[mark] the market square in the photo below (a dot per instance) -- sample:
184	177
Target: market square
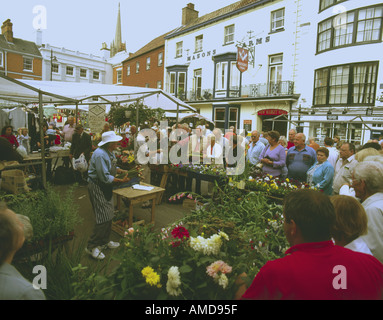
215	162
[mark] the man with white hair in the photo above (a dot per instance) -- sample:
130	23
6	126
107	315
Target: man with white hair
255	148
367	181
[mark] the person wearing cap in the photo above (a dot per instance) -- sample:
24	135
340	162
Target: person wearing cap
81	144
101	179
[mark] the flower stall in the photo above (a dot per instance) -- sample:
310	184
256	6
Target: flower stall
199	257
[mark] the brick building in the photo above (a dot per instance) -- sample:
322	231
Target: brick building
145	68
19	59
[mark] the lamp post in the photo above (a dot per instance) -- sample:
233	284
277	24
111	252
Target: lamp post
53	58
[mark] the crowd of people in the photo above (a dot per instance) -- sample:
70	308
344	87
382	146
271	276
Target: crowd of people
346	210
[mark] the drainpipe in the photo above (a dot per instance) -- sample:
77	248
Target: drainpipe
6	62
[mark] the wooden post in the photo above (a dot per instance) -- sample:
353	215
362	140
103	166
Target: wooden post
41	122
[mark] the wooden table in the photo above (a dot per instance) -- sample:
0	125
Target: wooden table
138	196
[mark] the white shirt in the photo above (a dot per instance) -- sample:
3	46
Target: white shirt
333	155
343	172
374	238
216	153
359	245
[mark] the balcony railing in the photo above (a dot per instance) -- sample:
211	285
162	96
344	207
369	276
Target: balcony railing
271	89
259	90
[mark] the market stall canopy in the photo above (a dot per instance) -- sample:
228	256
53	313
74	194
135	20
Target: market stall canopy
196	116
84	107
72	93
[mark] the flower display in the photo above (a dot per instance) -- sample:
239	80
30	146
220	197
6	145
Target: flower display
274	186
201	256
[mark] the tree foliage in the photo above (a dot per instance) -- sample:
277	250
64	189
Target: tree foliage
120	114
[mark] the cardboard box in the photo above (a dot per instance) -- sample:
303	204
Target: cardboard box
14	181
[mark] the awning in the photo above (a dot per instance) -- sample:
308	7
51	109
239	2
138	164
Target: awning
77	93
72	93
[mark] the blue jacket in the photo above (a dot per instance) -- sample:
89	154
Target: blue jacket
299	162
323	177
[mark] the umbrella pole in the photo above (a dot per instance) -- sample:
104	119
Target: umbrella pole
41	121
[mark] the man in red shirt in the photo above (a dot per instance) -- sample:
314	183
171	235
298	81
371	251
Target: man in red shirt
292	134
314	268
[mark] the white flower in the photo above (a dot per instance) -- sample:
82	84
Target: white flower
174	281
223	281
208	246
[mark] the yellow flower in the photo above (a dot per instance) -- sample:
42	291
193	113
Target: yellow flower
153	279
146	271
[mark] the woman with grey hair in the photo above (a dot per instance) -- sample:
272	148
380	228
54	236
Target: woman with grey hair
367	181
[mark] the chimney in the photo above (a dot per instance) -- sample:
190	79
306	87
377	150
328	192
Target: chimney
6	30
39	38
105	51
189	14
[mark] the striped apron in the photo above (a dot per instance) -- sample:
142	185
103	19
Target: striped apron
101	197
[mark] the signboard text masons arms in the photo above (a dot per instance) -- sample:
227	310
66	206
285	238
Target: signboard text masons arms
201	55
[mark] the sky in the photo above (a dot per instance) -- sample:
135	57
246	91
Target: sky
84	25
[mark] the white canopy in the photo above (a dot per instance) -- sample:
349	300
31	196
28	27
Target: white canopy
77	93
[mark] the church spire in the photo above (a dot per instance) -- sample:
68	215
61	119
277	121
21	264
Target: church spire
117	45
117	38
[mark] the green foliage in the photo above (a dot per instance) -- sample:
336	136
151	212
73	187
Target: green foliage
117	114
67	279
51	214
253	221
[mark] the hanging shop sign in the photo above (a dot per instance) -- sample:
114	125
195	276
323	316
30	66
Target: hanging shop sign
271	112
247	125
242	59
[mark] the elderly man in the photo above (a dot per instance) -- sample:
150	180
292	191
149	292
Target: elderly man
68	130
300	158
314	268
13	286
367	181
292	134
344	166
255	148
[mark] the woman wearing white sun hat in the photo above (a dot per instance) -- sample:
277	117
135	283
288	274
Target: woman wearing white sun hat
101	178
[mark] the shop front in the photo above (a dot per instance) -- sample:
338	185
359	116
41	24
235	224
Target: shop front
268	114
357	130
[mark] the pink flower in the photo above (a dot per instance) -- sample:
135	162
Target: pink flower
218	267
